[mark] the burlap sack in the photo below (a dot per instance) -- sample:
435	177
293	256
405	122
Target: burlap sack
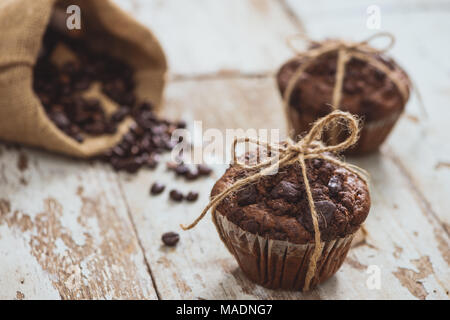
104	26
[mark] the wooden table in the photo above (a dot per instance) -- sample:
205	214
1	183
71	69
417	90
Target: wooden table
74	230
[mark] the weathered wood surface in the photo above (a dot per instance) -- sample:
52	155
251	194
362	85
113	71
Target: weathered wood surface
70	229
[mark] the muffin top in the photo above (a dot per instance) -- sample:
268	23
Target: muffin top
366	92
277	207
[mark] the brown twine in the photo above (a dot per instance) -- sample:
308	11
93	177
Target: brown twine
346	51
309	147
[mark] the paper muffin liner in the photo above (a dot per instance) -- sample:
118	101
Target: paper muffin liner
278	264
372	134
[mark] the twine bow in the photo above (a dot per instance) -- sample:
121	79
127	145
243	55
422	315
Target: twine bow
281	155
345	52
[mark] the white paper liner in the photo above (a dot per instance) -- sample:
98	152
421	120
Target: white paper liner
276	263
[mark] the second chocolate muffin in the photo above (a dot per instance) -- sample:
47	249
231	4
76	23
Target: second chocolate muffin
366	92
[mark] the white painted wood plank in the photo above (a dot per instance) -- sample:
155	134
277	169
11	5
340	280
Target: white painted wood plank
402	240
65	231
224	36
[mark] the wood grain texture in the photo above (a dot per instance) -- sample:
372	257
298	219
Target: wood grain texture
65	232
71	229
225	37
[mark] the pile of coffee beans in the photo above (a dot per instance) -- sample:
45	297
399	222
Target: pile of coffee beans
60	88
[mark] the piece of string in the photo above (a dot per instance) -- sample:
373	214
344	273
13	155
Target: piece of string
281	155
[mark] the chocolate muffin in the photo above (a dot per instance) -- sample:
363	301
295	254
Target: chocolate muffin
367	92
268	228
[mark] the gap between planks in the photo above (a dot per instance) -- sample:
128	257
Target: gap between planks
136	234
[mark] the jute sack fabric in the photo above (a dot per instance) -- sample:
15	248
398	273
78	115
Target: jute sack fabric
104	27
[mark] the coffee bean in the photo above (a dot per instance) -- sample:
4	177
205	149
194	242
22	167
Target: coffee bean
176	195
152	161
192	174
247	195
157	188
118	151
334	185
204	170
120	114
181	170
192	196
286	190
170	238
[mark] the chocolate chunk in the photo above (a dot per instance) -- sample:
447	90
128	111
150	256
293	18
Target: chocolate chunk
326	208
192	196
247	195
170	238
176	195
286	190
334	185
157	188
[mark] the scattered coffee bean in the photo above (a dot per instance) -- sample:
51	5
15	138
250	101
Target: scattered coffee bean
189	172
181	170
176	195
192	196
170	238
247	195
204	170
157	188
192	174
286	190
